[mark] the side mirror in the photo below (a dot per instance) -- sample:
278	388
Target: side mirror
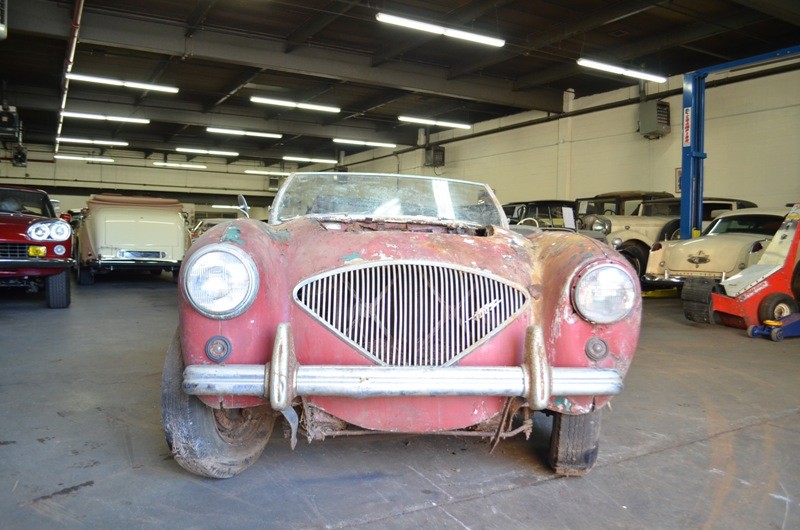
243	207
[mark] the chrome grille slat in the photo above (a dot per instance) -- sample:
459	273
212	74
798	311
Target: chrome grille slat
410	313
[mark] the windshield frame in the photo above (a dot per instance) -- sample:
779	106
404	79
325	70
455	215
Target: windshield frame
275	217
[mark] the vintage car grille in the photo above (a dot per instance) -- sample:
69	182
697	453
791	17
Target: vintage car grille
13	250
141	254
411	314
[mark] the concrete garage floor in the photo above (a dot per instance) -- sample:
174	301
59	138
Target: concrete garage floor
705	435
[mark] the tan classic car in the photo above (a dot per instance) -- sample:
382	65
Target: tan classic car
122	233
732	242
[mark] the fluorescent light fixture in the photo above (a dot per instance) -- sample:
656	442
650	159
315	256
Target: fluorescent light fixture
85	158
239	132
437	123
224	206
179	165
588	63
359	142
118	82
317	160
292	104
86	116
65	140
266	172
206	152
440	30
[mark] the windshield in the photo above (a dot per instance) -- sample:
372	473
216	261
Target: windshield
369	195
25	201
765	225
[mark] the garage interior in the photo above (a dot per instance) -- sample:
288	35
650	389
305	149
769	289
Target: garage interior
705	433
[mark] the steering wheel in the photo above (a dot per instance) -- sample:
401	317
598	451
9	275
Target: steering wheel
535	221
609	212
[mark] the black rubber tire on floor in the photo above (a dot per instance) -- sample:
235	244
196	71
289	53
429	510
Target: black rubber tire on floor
85	276
637	257
574	442
775	306
57	290
194	434
696	297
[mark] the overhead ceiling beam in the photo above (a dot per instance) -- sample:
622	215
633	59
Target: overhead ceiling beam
368	105
188	114
470	12
786	10
234	88
110	29
314	25
197	17
599	18
643	47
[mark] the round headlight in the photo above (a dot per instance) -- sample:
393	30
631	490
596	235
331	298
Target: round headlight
39	231
60	231
220	281
604	294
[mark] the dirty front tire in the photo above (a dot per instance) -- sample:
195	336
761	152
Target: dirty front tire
776	306
637	256
574	442
209	442
85	276
57	290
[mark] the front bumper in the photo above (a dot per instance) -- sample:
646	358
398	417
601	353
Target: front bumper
32	263
129	264
660	282
283	379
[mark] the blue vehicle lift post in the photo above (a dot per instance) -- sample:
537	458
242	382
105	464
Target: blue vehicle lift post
693	136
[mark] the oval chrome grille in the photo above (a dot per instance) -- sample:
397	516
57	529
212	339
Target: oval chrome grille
410	313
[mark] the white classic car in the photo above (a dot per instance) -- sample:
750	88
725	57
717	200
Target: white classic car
119	232
732	242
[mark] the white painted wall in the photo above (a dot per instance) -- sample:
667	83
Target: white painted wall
752	141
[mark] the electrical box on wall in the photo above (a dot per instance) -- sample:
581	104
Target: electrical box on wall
654	119
434	156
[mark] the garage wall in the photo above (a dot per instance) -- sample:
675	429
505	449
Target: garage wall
752	138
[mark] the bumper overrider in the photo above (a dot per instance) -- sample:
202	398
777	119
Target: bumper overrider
283	379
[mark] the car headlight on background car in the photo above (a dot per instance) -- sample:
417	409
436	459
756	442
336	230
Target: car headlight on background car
220	281
52	230
604	293
597	223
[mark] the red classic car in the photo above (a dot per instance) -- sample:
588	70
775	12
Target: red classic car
393	303
35	245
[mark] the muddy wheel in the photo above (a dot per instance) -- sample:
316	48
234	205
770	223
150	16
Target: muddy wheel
57	290
776	334
574	442
696	297
636	255
209	442
776	306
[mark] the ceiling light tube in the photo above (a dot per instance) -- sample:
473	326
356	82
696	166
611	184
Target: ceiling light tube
359	142
316	160
179	165
440	30
588	63
239	132
62	139
292	104
206	152
118	82
437	123
263	172
85	158
86	116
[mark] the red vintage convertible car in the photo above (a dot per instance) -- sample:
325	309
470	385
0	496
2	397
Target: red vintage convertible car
393	303
35	246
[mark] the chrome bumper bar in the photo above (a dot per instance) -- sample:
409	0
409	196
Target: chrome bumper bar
282	379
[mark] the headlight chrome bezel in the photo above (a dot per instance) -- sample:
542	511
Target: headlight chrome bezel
580	287
47	230
250	292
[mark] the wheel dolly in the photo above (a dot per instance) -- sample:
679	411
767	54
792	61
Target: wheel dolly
777	330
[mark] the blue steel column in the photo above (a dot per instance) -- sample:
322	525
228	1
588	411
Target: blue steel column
693	131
